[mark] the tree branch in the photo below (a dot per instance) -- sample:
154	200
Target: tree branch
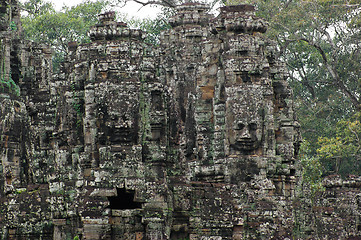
338	82
284	47
347	5
287	4
165	3
357	138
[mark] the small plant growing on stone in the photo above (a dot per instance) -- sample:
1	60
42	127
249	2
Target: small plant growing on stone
8	84
13	26
312	170
76	105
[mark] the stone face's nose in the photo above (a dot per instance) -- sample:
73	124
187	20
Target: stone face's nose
245	134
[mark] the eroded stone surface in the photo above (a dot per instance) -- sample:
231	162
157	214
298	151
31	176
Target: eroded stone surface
196	139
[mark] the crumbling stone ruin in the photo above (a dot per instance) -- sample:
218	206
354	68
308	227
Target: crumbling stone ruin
194	139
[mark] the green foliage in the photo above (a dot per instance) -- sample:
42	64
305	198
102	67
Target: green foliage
311	170
320	42
153	27
341	153
36	7
7	84
13	26
57	28
20	190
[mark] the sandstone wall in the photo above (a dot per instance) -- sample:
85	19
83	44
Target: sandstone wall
194	139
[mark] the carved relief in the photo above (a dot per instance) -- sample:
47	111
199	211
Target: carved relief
245	119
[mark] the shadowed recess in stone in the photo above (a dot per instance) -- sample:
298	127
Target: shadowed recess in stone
181	234
124	200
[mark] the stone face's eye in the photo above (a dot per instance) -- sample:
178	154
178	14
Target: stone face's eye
240	126
252	126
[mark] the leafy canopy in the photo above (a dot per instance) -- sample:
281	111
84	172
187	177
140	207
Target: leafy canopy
320	42
42	23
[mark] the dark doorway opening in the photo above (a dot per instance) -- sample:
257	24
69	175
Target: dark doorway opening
124	200
181	234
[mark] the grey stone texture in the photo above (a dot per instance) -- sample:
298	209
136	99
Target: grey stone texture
194	139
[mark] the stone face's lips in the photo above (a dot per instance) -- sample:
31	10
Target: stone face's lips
246	145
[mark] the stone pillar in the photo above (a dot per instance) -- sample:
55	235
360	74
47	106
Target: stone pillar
181	63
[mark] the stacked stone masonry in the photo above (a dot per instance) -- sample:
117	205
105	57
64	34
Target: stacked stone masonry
193	139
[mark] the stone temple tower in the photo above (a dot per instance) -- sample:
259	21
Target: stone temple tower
193	139
185	140
238	125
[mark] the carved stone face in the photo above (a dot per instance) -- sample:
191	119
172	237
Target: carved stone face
118	117
245	136
120	128
244	120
